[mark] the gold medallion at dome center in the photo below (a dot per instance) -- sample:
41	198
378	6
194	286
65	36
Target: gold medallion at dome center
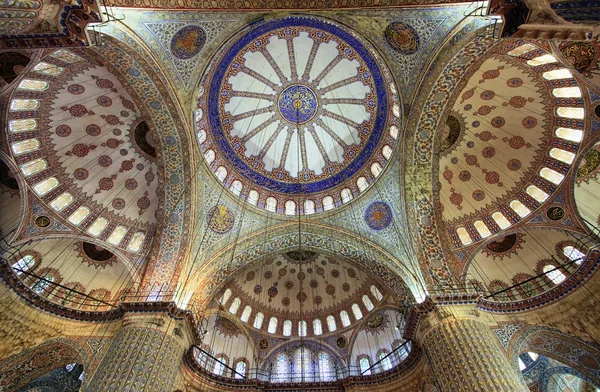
297	104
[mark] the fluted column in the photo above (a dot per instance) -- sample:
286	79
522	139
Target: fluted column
145	355
463	352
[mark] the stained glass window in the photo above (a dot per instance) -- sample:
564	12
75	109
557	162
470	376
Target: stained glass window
303	365
24	104
345	318
235	305
519	208
561	73
567	92
246	314
25	146
346	195
34	166
28	124
325	367
574	254
136	241
482	229
367	301
272	328
240	369
79	215
282	368
287	328
573	135
384	359
551	175
317	327
331	323
42	284
500	219
258	320
220	365
362	183
537	193
357	312
48	69
43	187
97	227
364	366
576	113
328	203
376	293
464	236
117	235
61	201
35	85
225	297
25	263
66	56
553	274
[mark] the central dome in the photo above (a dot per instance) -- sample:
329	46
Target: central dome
296	107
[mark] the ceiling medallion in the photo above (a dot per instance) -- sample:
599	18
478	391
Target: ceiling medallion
42	221
301	255
555	213
296	106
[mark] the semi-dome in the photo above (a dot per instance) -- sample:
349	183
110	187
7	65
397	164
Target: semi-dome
294	116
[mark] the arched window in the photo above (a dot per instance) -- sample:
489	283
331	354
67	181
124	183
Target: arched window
345	318
331	323
501	220
365	366
387	151
282	368
271	204
290	207
43	187
136	241
541	60
79	215
537	193
201	136
303	368
240	369
376	169
396	110
325	367
384	360
555	275
199	114
562	155
367	301
567	92
576	113
519	208
24	264
309	207
209	155
357	312
62	201
272	325
33	85
28	124
328	203
24	104
246	314
235	305
258	320
394	132
482	229
551	175
221	173
317	327
376	293
25	146
573	135
574	254
252	197
117	235
97	227
42	285
346	195
236	187
225	297
464	236
302	328
33	167
287	328
362	184
48	69
561	73
220	365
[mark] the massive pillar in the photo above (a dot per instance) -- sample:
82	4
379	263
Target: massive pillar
463	352
145	355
